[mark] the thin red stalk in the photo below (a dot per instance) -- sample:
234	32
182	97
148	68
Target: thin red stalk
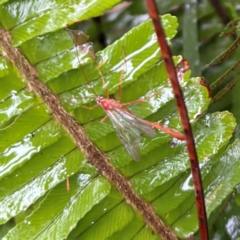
166	55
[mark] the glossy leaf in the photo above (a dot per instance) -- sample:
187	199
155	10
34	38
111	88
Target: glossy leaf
49	17
37	155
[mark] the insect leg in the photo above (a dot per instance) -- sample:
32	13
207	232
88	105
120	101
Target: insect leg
90	108
103	119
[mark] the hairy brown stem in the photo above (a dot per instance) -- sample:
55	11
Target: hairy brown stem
196	174
94	156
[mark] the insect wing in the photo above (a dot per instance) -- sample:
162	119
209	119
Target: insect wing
128	128
136	122
128	135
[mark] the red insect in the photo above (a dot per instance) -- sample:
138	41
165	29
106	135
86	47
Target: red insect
127	126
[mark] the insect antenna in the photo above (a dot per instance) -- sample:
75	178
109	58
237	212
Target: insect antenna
103	80
121	76
83	72
80	42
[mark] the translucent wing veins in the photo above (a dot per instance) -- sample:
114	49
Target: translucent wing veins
128	129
